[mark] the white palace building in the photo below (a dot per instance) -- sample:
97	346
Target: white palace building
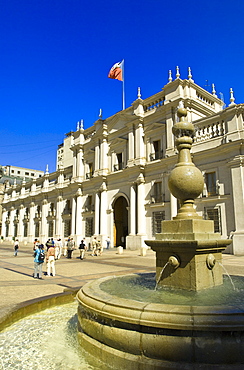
112	178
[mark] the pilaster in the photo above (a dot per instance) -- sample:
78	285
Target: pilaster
237	179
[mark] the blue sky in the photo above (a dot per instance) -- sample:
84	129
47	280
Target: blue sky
56	55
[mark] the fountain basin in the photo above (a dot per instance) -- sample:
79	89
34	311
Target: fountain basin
132	334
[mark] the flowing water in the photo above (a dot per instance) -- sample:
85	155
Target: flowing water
141	287
160	275
44	341
48	340
230	278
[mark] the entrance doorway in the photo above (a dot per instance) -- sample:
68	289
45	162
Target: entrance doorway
120	222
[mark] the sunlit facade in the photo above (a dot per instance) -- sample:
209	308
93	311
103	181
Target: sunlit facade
111	179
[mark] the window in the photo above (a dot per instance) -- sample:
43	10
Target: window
32	174
37	229
25	230
157	153
15	230
18	172
12	171
89	227
89	174
157	196
67	228
89	205
7	229
157	218
210	178
215	215
119	165
50	229
27	173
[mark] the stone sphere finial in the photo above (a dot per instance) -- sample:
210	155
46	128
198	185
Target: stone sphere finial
185	181
181	112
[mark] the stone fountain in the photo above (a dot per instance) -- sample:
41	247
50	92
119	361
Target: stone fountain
143	334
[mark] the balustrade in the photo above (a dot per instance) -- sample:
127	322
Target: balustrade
213	130
153	105
204	99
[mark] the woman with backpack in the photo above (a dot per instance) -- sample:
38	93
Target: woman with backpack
39	258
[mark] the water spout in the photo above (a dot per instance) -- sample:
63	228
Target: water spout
232	283
160	275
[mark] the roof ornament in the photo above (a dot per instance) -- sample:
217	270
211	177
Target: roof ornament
232	99
214	91
170	76
139	93
177	72
100	113
47	171
190	75
80	125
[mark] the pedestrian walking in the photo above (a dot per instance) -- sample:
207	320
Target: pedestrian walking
70	248
108	242
39	258
50	259
82	249
58	249
94	246
16	247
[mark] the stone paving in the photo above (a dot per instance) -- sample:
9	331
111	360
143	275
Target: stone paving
17	284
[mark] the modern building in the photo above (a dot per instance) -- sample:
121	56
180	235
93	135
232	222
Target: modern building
111	179
20	172
10	175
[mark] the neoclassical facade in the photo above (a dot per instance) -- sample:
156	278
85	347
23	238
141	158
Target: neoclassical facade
111	179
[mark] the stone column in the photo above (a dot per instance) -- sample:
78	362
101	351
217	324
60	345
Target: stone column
60	176
80	164
169	136
104	155
73	217
4	217
11	224
237	178
44	231
59	210
103	213
131	147
74	162
131	239
140	155
97	212
97	157
79	231
141	218
31	222
132	214
20	228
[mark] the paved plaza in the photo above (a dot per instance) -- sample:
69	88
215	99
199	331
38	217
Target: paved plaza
17	284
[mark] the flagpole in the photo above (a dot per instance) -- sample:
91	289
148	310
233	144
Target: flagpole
123	87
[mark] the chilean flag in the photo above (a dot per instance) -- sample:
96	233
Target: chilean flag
116	72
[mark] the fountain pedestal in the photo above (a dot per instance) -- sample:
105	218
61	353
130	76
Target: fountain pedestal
135	334
188	254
